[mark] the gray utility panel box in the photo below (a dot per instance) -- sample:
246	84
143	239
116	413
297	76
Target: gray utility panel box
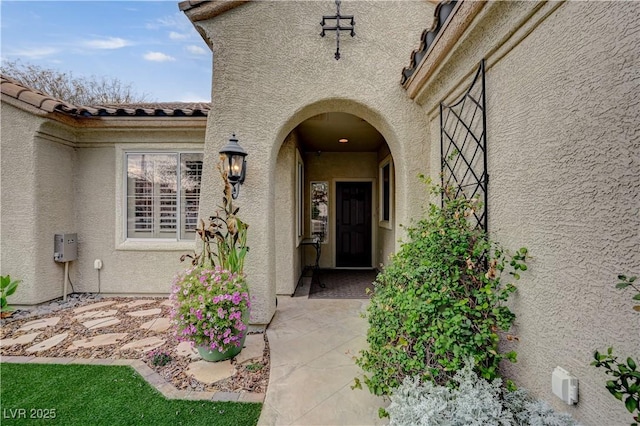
65	248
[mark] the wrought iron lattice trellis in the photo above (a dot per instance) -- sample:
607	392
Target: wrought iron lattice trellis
463	147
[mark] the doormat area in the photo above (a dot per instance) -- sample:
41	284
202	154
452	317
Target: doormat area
342	284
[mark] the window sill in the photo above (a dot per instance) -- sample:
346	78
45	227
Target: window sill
385	224
158	245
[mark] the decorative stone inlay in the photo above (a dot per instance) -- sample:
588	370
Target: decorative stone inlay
144	345
253	348
135	303
95	314
211	372
47	344
158	324
145	313
93	306
21	340
185	349
39	323
99	340
101	322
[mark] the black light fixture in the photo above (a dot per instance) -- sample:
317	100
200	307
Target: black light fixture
337	27
235	165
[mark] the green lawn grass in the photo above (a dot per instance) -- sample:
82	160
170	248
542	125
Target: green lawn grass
103	395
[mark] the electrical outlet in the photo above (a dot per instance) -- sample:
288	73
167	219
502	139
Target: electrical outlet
97	264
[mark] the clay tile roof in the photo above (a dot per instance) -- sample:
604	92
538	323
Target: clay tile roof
46	103
429	35
13	89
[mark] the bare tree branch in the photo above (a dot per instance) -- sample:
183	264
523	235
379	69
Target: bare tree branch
69	88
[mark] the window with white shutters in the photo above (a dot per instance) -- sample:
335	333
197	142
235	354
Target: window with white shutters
163	193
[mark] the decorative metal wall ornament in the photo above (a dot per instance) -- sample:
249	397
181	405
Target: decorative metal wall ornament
463	147
337	27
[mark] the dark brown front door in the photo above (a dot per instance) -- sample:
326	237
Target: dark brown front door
353	224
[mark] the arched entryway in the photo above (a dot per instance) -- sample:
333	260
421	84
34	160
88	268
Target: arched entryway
334	183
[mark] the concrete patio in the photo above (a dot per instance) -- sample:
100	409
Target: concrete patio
312	345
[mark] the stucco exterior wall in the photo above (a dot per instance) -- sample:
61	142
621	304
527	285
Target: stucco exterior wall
272	70
288	265
128	267
564	163
54	200
18	234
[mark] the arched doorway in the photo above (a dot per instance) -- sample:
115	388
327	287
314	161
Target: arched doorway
335	180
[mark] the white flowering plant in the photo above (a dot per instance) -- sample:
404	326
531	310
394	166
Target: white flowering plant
210	308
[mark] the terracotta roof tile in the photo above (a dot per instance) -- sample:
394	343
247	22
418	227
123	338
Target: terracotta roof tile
441	14
14	89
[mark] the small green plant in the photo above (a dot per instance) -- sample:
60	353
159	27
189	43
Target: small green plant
625	385
7	288
629	282
256	366
159	358
439	301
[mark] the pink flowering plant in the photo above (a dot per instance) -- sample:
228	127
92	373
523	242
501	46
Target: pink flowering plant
210	308
210	300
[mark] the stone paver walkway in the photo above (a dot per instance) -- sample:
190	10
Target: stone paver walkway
97	326
312	344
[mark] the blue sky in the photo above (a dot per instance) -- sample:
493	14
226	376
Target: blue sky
150	44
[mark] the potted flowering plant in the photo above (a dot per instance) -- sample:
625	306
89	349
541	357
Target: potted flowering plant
211	299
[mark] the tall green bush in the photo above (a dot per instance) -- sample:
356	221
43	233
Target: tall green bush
438	302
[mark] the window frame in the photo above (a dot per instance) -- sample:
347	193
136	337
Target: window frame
311	206
123	242
388	222
300	185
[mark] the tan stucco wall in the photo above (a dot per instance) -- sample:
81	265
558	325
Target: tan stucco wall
54	200
288	264
564	164
19	235
272	70
61	175
128	267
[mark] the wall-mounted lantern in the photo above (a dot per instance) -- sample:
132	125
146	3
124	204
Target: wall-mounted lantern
235	165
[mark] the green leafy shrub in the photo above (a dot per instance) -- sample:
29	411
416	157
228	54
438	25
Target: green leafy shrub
159	358
625	383
7	288
439	301
473	401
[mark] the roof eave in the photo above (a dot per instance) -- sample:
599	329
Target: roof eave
199	10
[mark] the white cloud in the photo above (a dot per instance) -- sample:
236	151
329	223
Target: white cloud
196	50
34	53
158	57
109	43
178	36
177	21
